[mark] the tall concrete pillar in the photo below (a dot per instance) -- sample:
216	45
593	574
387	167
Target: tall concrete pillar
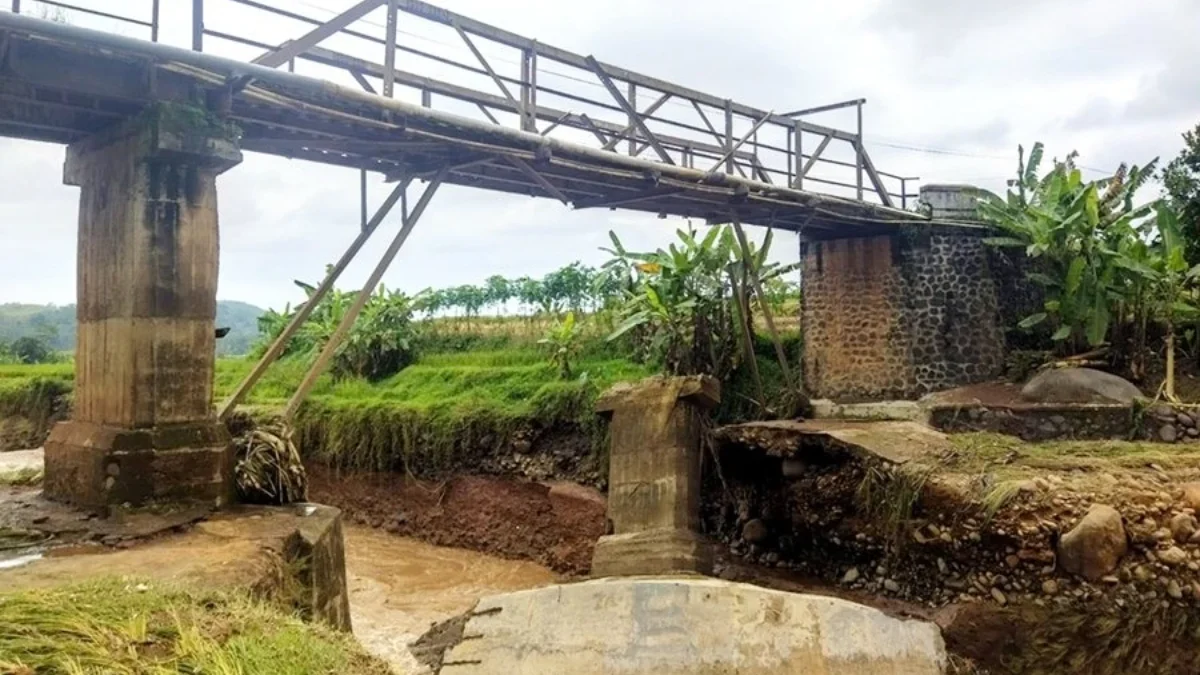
142	426
654	477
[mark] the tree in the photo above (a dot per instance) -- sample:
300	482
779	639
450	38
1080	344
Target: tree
1181	179
31	350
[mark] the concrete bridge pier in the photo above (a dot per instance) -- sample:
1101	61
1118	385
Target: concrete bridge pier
903	314
654	477
142	426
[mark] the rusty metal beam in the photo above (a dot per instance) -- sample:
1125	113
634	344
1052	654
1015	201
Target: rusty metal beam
293	48
484	62
339	335
645	113
620	99
303	312
539	179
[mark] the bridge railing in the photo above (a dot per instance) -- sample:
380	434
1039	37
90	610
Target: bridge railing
477	69
458	64
47	7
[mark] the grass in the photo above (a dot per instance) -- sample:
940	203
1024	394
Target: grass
26	476
979	451
123	627
468	392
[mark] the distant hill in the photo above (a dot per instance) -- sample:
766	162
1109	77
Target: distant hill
57	324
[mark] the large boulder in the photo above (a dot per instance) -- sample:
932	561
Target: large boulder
1079	385
1095	546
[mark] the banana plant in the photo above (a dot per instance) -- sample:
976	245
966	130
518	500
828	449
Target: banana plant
562	344
1172	282
1078	238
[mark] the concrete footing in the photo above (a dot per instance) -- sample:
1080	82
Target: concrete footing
292	554
685	626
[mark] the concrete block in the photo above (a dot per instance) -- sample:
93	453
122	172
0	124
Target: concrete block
687	626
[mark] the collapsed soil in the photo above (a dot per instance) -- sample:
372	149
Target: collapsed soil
553	524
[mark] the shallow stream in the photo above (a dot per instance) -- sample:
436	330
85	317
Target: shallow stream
399	586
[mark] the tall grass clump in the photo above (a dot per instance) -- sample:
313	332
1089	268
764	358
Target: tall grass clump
125	627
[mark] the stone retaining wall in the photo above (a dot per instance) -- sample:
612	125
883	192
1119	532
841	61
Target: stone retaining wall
899	315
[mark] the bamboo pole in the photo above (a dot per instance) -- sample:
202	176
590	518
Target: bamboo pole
302	314
335	341
746	335
762	301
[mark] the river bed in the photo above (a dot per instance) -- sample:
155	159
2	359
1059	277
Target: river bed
399	586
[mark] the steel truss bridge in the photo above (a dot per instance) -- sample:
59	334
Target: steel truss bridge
630	147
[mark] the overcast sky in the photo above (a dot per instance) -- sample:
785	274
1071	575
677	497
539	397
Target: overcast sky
952	88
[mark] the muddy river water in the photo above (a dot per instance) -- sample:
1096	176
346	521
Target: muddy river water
399	586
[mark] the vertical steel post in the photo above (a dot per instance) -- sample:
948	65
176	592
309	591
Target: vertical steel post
154	21
362	197
426	98
632	91
729	135
389	55
799	156
904	193
858	151
527	85
16	6
790	144
531	109
197	25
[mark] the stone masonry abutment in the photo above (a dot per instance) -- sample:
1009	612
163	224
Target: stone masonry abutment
902	314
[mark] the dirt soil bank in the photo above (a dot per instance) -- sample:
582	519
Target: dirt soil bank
553	524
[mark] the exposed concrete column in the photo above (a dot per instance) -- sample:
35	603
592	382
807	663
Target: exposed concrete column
142	425
654	477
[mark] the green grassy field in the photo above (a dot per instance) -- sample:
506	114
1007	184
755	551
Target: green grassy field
473	386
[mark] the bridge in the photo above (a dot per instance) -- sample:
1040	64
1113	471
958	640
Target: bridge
709	158
148	126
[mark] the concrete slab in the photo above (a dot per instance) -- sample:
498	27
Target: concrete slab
894	442
673	626
911	411
294	553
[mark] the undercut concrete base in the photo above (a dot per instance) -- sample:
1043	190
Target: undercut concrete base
95	466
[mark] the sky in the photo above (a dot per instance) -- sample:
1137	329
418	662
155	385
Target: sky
952	88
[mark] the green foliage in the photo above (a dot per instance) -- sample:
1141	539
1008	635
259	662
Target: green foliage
1086	240
381	342
680	307
562	344
1181	179
30	349
127	627
34	393
444	411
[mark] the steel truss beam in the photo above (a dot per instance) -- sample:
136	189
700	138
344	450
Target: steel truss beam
339	335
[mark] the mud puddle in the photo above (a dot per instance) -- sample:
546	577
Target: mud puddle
399	586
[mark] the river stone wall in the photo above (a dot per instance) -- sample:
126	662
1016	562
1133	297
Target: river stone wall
900	315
